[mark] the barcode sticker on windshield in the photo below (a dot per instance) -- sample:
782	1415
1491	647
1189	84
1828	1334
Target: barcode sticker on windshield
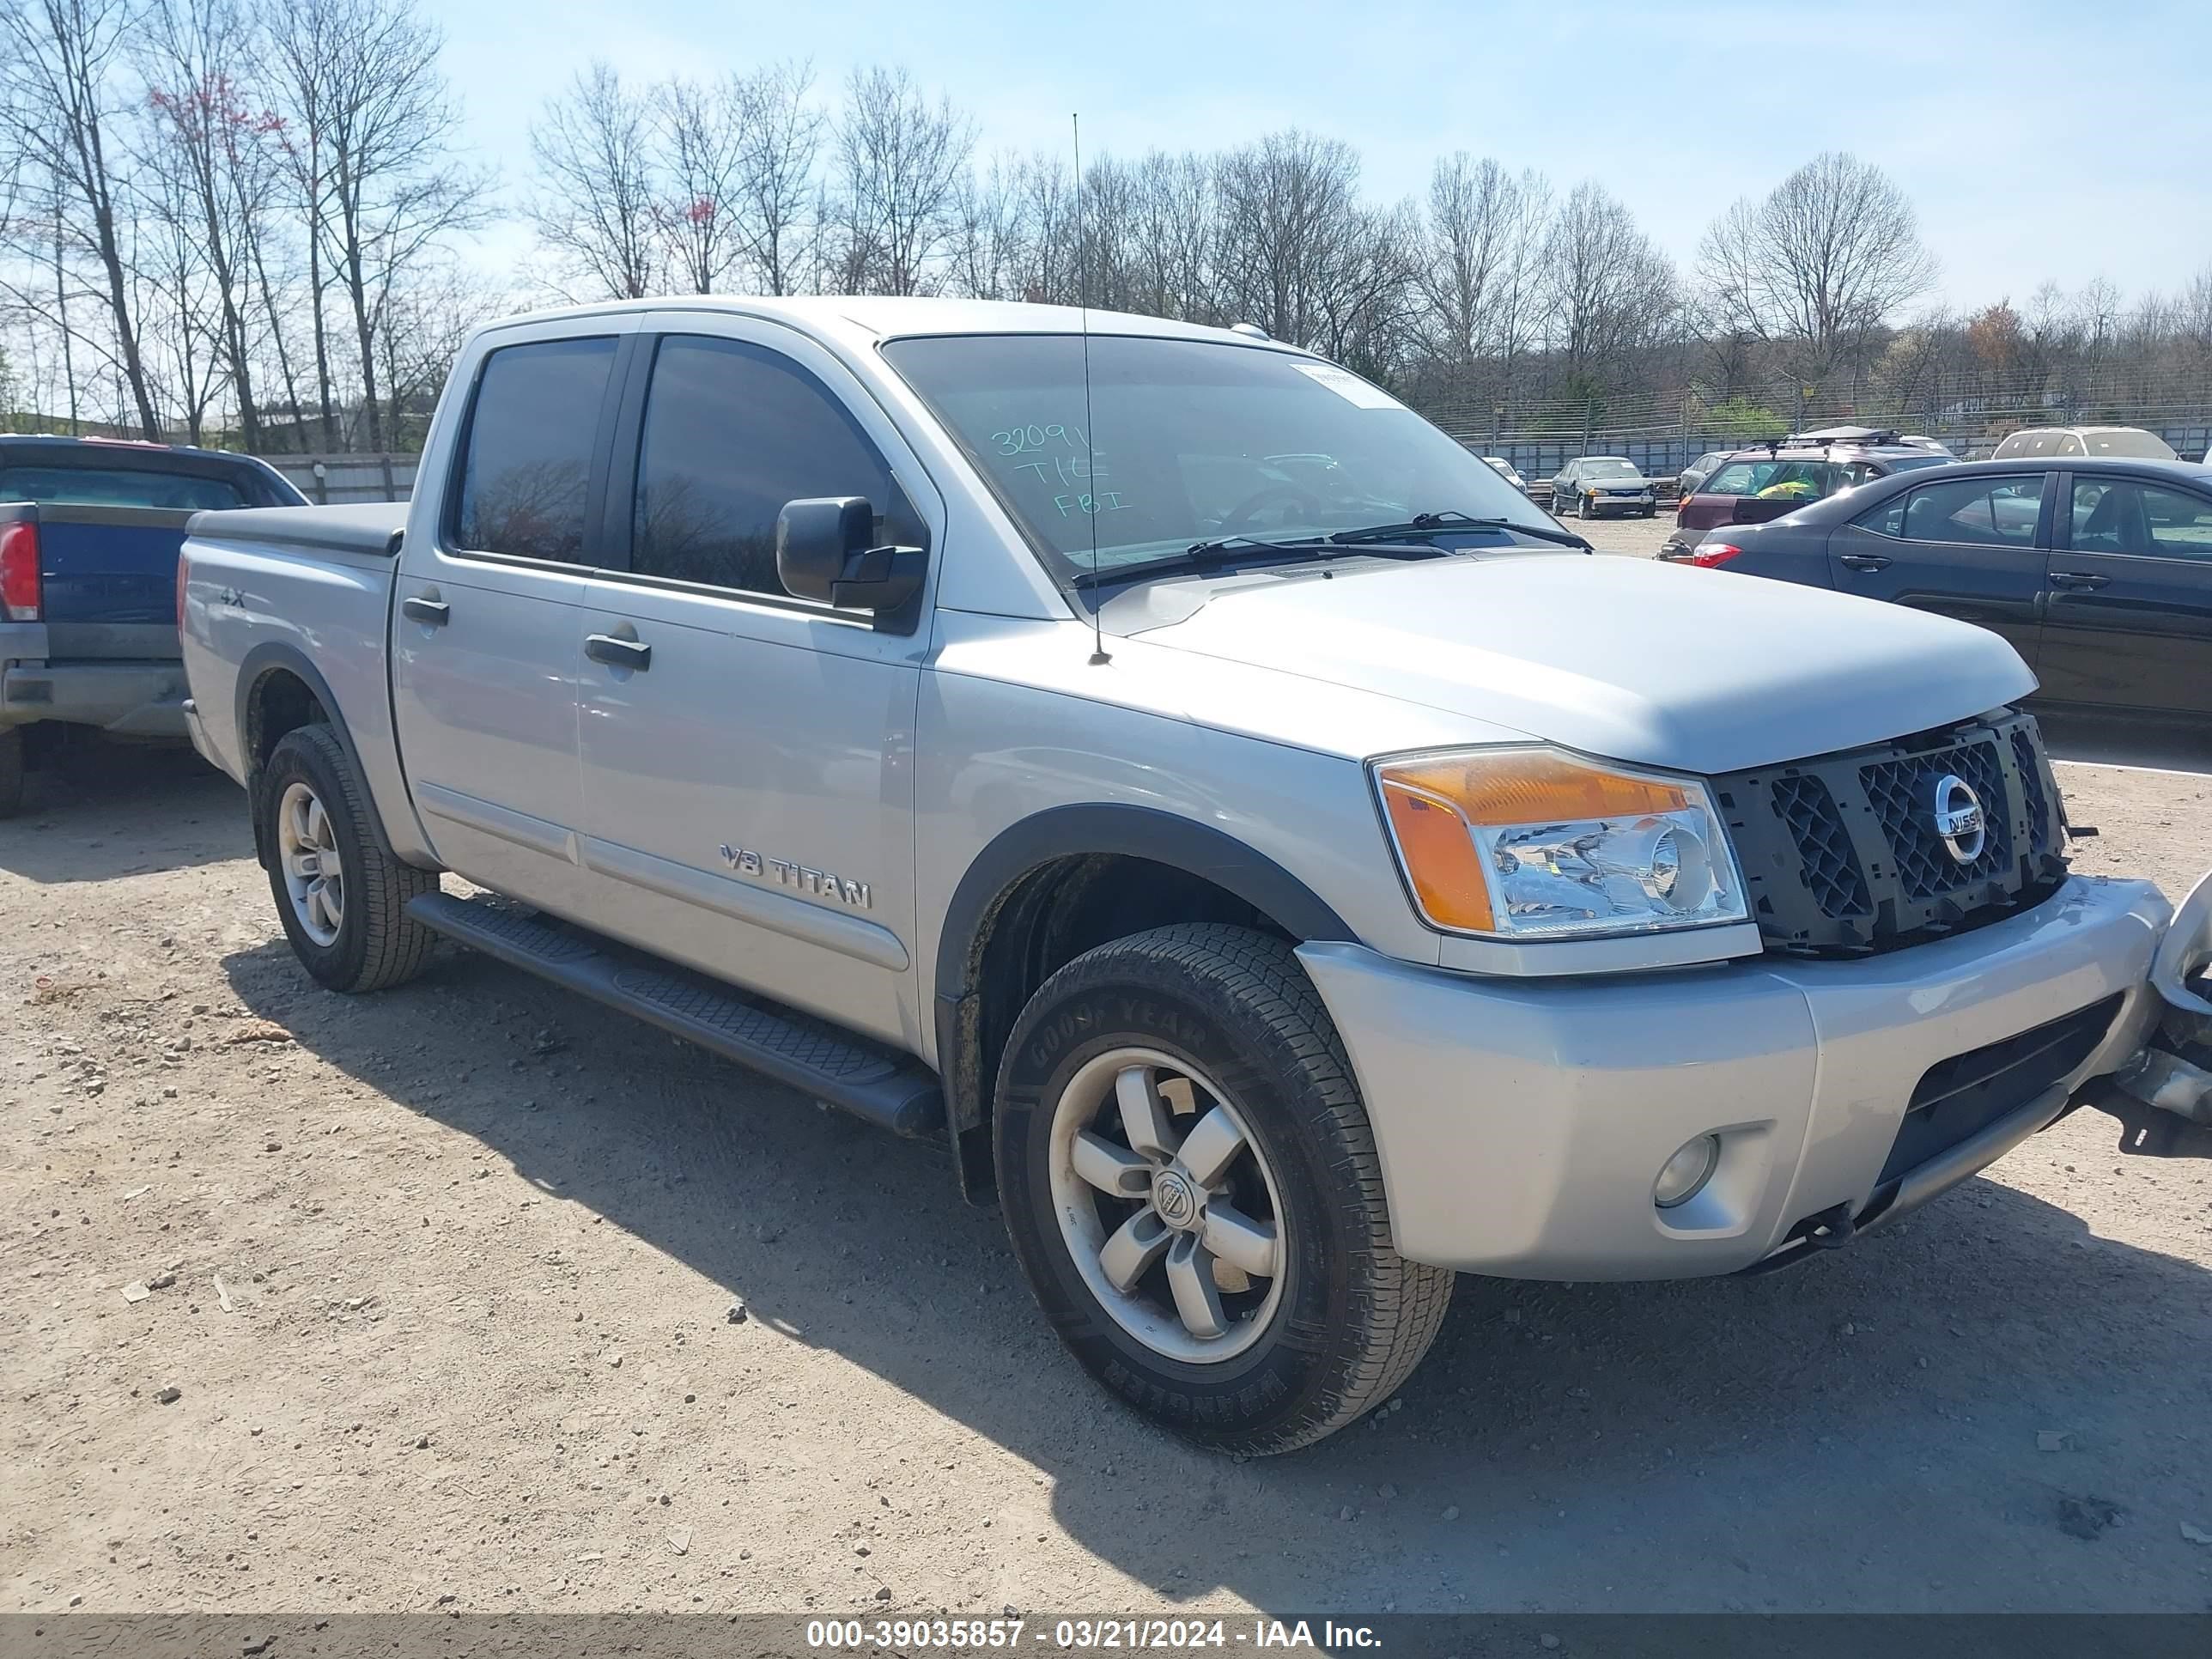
1350	387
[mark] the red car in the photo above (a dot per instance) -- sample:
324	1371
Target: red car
1756	484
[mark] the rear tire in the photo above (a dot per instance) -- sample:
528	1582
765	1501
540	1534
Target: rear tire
11	771
1181	1097
341	896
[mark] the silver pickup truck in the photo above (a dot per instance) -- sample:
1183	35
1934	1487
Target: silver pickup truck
1277	862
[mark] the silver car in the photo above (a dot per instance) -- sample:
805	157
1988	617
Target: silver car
1265	854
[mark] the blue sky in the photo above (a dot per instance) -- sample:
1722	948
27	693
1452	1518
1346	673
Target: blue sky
2037	140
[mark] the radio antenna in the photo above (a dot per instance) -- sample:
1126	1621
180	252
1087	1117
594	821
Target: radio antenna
1090	496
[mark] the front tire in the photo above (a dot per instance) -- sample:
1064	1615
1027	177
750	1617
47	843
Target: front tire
341	896
1192	1188
1583	509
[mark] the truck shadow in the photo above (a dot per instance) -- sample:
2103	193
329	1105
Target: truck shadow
116	809
1863	1432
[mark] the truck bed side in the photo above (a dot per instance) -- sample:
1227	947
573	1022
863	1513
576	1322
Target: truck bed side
303	591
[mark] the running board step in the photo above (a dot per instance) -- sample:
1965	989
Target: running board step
891	1090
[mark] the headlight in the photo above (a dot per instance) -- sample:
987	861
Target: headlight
1535	844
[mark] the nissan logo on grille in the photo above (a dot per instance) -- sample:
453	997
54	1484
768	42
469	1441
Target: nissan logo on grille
1960	821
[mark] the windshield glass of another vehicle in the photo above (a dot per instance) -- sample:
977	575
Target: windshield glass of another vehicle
100	486
1187	441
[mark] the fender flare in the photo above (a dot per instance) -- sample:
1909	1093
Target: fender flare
1074	831
1144	832
257	665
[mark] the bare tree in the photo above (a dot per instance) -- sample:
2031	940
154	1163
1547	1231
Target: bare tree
598	205
775	181
58	99
899	164
1052	242
2096	314
206	140
425	322
305	43
1171	233
2195	313
989	246
1286	206
1819	264
1485	237
1610	289
702	142
383	147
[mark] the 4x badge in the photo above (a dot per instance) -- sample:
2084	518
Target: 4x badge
819	883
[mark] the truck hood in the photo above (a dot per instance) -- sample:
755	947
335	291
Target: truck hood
1661	664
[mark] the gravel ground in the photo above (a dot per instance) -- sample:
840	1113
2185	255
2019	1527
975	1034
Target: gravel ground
282	1269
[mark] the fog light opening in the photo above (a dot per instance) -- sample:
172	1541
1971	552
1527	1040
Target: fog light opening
1684	1175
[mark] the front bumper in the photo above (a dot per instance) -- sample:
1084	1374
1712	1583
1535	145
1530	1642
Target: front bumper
1521	1122
134	698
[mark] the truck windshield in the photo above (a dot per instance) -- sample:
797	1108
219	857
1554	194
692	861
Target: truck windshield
101	486
1189	441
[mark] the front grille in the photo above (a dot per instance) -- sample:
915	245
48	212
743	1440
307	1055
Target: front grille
1841	856
1964	1095
1831	868
1900	791
2030	765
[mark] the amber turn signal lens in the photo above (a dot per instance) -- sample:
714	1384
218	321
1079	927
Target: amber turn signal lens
1532	785
1440	858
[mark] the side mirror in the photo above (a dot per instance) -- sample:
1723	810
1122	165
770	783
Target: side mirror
823	553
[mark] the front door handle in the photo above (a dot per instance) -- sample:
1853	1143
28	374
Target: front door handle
1864	561
434	613
618	653
2077	579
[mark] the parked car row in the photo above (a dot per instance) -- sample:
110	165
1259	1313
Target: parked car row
1766	481
2098	570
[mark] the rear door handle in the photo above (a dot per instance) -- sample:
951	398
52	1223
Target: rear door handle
619	653
1864	561
435	613
2077	579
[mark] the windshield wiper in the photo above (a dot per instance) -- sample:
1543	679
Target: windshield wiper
1437	524
1201	556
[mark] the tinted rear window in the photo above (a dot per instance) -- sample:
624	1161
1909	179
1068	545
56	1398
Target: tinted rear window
2127	440
529	459
104	486
1803	481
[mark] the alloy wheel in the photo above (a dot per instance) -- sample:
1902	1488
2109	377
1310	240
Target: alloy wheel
315	878
1167	1206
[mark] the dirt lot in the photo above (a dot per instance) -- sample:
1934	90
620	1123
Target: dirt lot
441	1280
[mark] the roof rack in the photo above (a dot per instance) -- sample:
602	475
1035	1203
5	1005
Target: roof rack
1824	436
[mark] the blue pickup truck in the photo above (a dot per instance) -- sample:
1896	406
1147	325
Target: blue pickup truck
90	529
